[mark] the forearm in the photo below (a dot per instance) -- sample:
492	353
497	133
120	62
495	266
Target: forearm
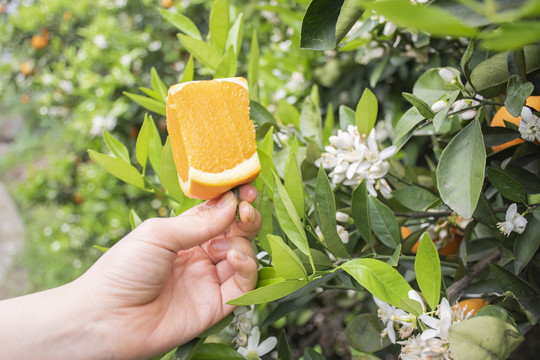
53	324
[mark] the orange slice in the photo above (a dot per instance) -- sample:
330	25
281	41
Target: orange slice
212	136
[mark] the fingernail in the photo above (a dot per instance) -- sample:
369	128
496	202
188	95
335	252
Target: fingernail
220	245
226	199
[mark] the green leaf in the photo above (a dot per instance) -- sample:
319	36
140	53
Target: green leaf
325	212
411	306
507	186
293	183
286	263
430	87
414	197
288	217
182	23
428	271
528	242
234	38
310	354
216	351
189	71
260	115
420	105
203	52
431	19
286	307
141	147
366	112
328	124
405	125
460	172
364	333
383	223
153	94
253	67
516	95
155	148
266	176
267	227
319	25
439	118
168	175
269	293
118	149
379	278
118	168
283	348
491	76
510	35
311	121
483	337
227	66
150	104
158	85
288	114
348	16
347	117
219	25
169	355
134	219
466	59
188	350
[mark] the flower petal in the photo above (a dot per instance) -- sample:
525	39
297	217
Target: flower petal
267	345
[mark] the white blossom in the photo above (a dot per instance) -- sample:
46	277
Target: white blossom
447	75
529	126
343	234
389	28
100	41
438	327
514	221
412	348
242	322
342	217
388	315
353	157
254	350
439	105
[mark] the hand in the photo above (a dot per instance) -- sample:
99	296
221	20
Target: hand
170	279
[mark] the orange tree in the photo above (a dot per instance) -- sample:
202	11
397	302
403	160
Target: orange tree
370	115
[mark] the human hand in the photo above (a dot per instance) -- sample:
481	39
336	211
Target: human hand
170	279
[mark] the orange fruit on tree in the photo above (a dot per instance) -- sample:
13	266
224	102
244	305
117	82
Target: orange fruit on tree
166	3
39	42
27	68
212	136
503	115
472	305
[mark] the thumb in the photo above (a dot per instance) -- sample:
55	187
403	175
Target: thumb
191	228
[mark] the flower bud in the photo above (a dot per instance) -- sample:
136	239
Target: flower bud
439	105
447	75
468	115
341	217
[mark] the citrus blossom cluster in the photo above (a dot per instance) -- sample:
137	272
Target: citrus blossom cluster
430	343
353	157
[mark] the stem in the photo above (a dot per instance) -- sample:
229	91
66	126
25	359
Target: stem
410	183
423	214
457	288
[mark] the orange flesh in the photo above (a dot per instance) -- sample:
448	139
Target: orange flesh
210	130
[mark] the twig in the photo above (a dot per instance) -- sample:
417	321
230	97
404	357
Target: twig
457	287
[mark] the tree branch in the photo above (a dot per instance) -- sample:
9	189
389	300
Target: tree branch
456	288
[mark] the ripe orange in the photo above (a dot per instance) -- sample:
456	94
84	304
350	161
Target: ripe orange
503	115
39	41
473	305
212	136
27	68
405	232
166	3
